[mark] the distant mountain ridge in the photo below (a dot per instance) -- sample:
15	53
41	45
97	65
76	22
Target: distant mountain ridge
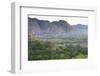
36	26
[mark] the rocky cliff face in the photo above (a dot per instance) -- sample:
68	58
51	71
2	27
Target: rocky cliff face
43	26
38	27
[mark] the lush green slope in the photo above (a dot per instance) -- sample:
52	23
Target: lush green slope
46	50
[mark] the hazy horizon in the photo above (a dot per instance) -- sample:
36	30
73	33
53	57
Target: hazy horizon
70	20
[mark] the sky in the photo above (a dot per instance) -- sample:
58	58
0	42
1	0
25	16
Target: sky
71	20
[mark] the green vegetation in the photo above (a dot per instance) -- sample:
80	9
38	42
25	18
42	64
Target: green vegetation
46	50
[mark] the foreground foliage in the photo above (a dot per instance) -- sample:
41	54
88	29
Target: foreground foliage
46	50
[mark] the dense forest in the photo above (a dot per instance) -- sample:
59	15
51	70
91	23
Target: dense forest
46	50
